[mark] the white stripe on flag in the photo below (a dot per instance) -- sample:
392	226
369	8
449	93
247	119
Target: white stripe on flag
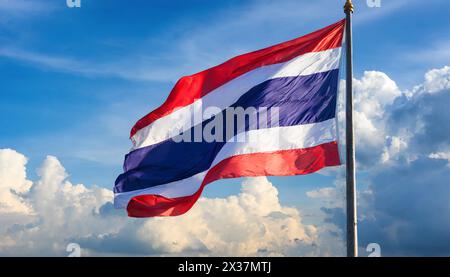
261	140
224	96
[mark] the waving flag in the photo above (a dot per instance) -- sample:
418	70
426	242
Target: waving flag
165	173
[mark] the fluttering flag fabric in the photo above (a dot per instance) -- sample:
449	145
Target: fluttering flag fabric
293	84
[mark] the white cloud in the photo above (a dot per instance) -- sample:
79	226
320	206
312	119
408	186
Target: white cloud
444	155
52	212
393	147
251	223
13	182
403	145
15	7
374	93
56	209
331	197
437	79
403	153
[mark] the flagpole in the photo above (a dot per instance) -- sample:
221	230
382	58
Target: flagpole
352	234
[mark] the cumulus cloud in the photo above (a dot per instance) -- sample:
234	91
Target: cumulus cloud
251	223
403	141
410	209
13	182
331	197
410	192
374	93
42	217
437	80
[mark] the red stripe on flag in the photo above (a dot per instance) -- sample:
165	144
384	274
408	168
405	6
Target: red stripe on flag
281	163
190	88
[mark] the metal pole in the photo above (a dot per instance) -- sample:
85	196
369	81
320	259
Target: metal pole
352	232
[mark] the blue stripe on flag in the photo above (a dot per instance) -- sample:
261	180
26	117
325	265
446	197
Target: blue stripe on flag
300	100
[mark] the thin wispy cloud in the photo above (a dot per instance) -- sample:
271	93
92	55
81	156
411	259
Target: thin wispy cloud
253	25
435	52
24	9
133	68
22	6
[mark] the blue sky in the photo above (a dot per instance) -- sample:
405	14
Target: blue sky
74	81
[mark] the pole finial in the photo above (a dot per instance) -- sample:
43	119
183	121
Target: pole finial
348	7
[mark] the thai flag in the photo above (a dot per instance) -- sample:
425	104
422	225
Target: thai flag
293	84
